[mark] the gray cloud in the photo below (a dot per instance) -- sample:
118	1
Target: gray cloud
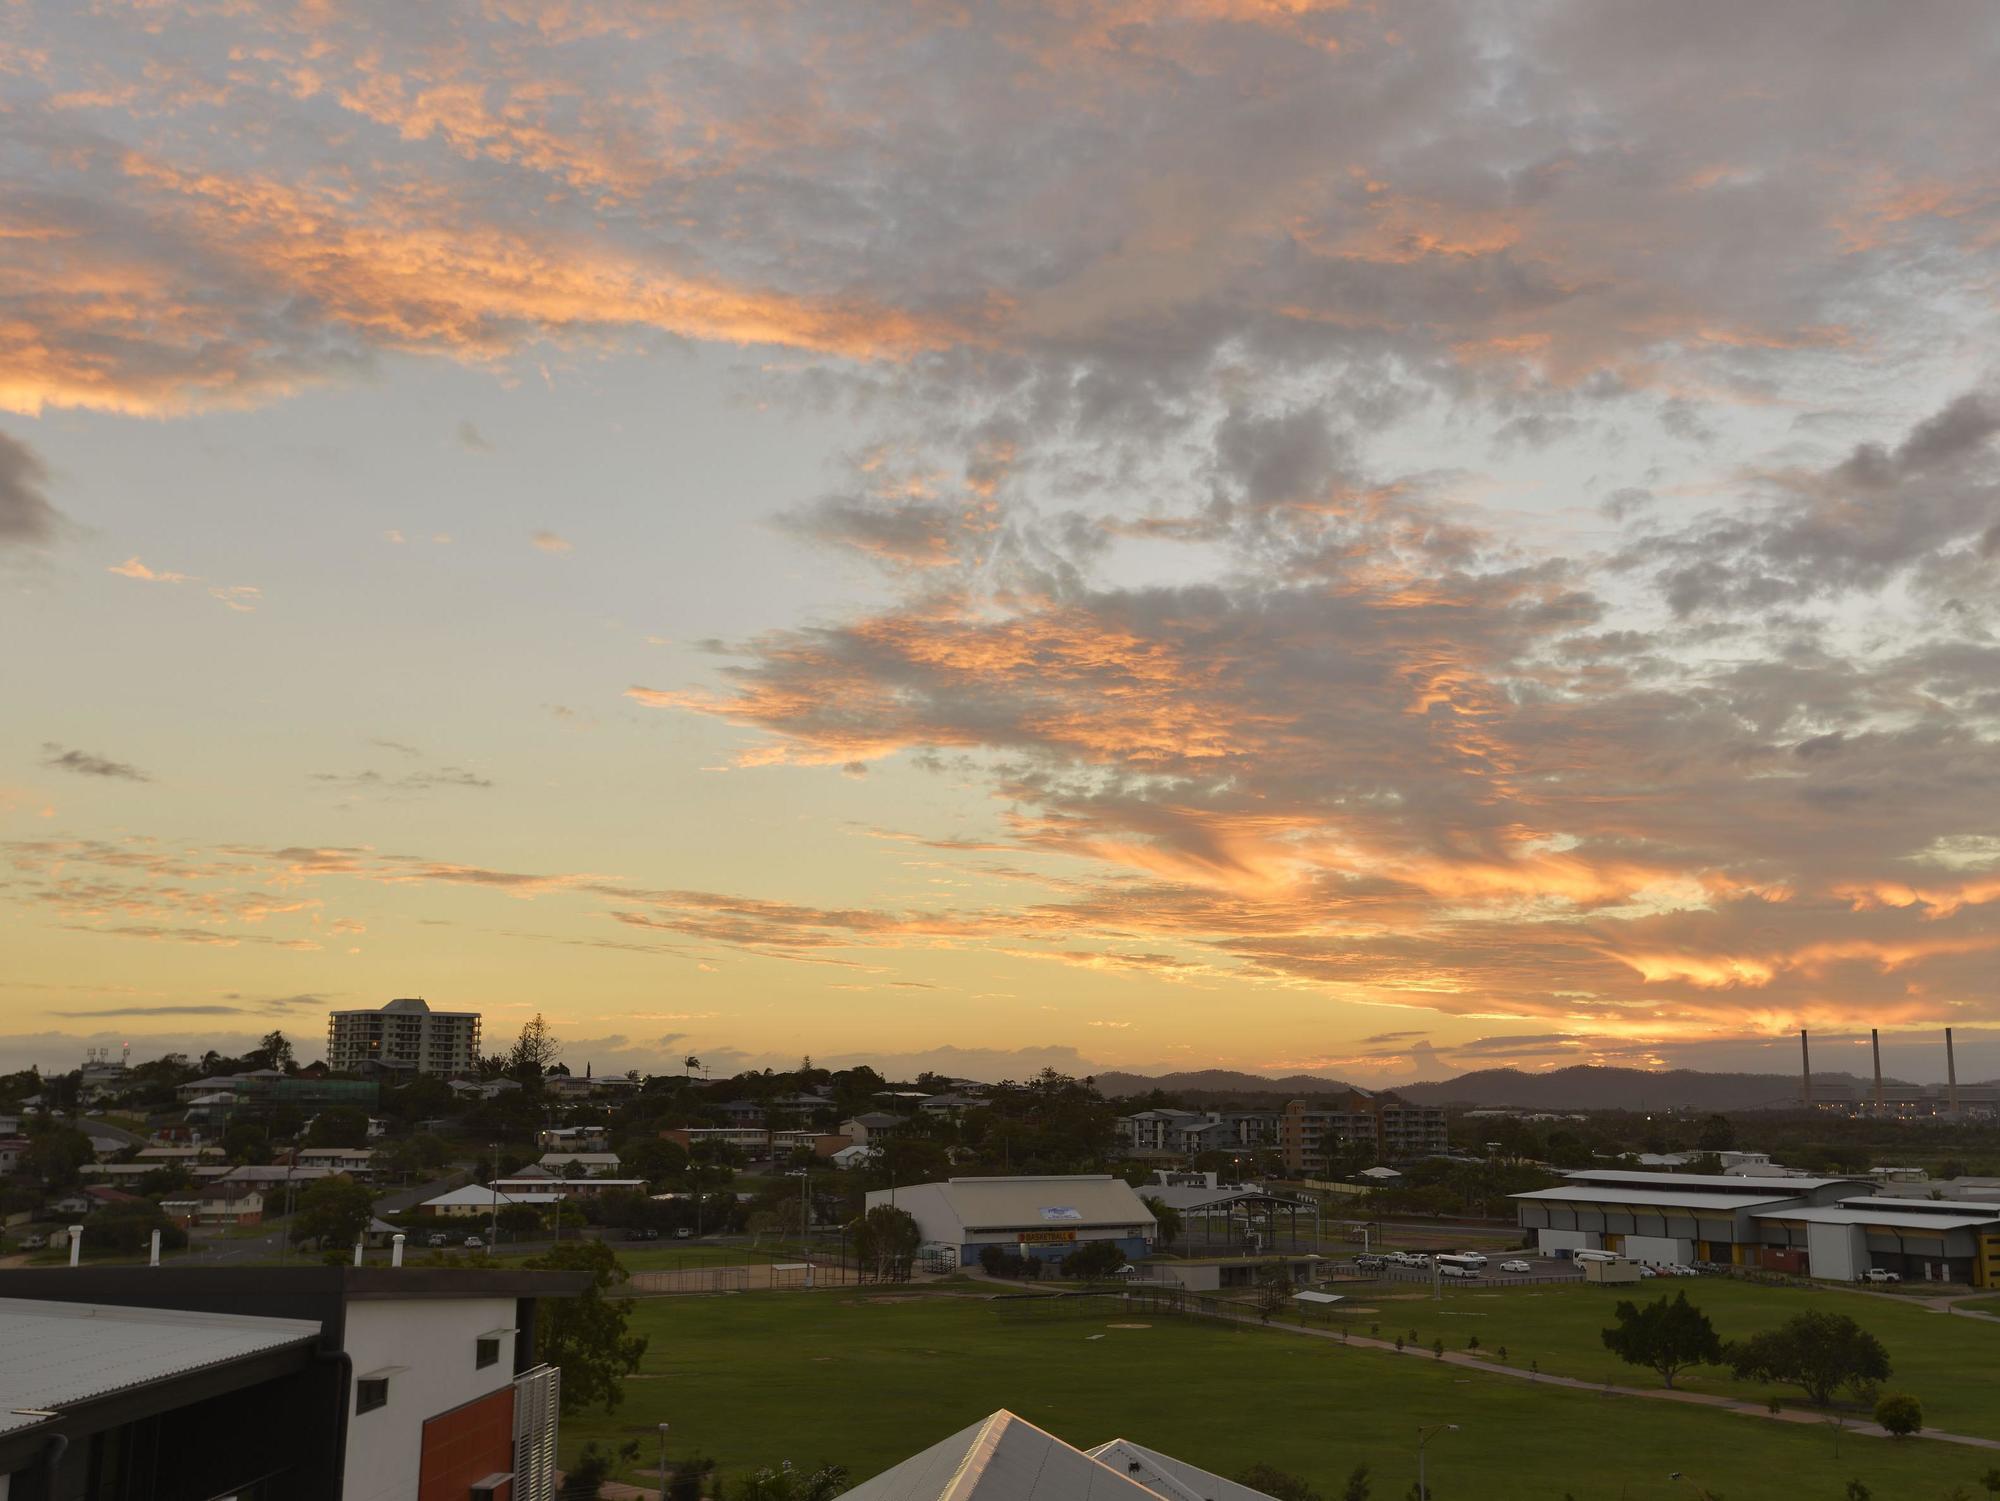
25	512
83	763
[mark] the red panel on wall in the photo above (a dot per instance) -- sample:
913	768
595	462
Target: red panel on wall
467	1444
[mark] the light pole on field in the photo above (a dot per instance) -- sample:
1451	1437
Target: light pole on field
663	1462
493	1225
1424	1436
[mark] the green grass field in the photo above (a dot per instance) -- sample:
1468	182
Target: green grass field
866	1380
1982	1305
1951	1365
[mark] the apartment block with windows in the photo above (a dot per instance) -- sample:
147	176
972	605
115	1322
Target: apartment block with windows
1385	1126
405	1036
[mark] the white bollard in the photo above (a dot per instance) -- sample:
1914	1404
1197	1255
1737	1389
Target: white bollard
75	1244
396	1250
357	1253
155	1254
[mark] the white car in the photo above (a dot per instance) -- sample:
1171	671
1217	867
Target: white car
1515	1266
1457	1271
1677	1270
1881	1274
1646	1271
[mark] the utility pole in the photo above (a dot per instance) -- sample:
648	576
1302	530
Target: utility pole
493	1227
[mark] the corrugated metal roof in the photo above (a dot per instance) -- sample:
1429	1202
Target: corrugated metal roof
1698	1180
1910	1219
62	1353
1000	1458
1175	1479
1071	1201
1657	1198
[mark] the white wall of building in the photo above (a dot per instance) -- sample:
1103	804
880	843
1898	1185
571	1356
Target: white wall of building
1837	1251
435	1339
1659	1250
1549	1242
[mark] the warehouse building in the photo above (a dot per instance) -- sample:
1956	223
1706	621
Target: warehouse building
1670	1217
1043	1217
1920	1240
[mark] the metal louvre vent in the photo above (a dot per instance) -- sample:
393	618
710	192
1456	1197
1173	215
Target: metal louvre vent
537	1405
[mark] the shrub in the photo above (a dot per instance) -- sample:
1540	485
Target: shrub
1900	1413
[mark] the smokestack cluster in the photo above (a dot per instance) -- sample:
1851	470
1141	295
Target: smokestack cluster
1875	1041
1950	1074
1805	1059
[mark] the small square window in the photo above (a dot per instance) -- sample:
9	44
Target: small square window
487	1352
371	1394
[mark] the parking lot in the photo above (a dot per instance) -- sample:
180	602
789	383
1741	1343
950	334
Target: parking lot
1541	1269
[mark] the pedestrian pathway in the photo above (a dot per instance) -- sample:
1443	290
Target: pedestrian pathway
1607	1389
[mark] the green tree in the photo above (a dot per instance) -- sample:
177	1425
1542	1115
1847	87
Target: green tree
1092	1260
273	1051
245	1140
584	1479
338	1126
1357	1488
55	1157
789	1483
333	1212
1900	1413
1717	1134
1165	1216
687	1478
519	1219
124	1227
534	1053
885	1242
1818	1352
1669	1335
588	1335
1282	1484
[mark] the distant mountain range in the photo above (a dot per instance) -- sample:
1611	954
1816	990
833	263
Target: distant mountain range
1580	1088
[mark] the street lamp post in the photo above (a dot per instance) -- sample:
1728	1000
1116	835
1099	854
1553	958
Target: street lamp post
1424	1436
493	1224
663	1462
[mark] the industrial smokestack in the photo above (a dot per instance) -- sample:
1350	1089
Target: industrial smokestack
1875	1041
1950	1074
1805	1059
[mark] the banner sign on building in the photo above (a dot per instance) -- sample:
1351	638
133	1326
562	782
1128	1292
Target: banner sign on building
1047	1237
1059	1213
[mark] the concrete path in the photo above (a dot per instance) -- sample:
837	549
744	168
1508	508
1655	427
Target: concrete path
1606	1389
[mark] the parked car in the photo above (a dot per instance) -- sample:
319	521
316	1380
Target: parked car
1457	1271
438	1238
1475	1258
474	1243
1678	1270
1515	1266
1881	1274
649	1234
1368	1263
1646	1271
1419	1258
683	1233
33	1242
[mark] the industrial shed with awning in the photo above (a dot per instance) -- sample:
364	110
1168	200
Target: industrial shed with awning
1920	1240
1043	1217
1668	1217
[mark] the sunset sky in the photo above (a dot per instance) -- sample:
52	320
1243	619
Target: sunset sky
1159	534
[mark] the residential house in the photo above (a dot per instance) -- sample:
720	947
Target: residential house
593	1164
870	1126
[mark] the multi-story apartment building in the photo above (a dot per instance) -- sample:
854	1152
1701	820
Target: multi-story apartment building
406	1036
1182	1133
1385	1125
